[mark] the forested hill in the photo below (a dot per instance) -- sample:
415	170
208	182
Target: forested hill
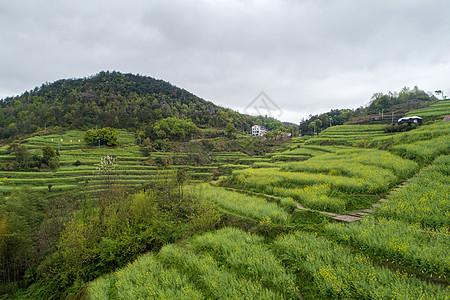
109	99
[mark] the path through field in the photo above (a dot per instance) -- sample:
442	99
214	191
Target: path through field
352	216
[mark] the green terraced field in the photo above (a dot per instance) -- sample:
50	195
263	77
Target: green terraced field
436	111
131	170
348	134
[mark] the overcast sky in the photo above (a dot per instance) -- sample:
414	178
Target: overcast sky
307	56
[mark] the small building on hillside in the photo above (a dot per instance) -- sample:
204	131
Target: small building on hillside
258	130
410	120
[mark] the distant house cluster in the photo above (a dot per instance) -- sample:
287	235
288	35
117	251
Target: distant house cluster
258	130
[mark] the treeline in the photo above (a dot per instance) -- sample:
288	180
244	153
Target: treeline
317	123
23	160
110	99
406	99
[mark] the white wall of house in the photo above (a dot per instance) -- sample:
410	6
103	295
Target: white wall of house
258	130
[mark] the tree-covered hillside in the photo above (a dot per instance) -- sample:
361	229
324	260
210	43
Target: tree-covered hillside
381	108
109	99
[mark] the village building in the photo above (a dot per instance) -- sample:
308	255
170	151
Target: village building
258	130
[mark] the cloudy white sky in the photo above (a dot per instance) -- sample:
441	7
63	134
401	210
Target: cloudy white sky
308	56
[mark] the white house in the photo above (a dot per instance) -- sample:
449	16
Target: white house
258	130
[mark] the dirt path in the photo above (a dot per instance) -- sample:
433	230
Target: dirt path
353	216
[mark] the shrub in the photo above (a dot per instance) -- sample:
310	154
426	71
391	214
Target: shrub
106	136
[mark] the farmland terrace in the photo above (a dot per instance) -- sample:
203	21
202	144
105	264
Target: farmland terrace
270	226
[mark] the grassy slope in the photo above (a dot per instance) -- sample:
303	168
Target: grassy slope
132	168
389	254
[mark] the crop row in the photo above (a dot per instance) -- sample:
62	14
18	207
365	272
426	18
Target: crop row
73	139
227	264
421	133
337	273
424	151
426	200
372	165
246	205
436	110
411	227
408	244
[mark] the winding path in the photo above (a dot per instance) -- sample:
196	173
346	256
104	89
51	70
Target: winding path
353	216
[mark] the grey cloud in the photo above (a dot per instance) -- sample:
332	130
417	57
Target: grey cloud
309	56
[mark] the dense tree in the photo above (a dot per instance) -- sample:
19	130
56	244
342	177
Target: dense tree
172	128
20	215
410	98
104	136
110	99
230	129
99	238
47	153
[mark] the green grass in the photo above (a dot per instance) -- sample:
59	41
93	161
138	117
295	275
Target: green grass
409	232
145	278
427	251
246	205
347	134
437	110
426	200
337	273
424	151
328	181
226	264
132	167
215	280
73	139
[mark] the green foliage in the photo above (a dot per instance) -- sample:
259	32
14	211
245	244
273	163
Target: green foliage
106	136
145	278
230	129
424	151
437	110
425	200
268	123
339	274
20	214
228	263
327	181
246	205
24	160
400	127
322	121
110	99
47	154
348	134
398	241
247	256
217	282
99	238
406	97
173	128
53	163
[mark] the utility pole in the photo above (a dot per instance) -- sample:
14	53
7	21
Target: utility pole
382	111
99	143
330	122
392	117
